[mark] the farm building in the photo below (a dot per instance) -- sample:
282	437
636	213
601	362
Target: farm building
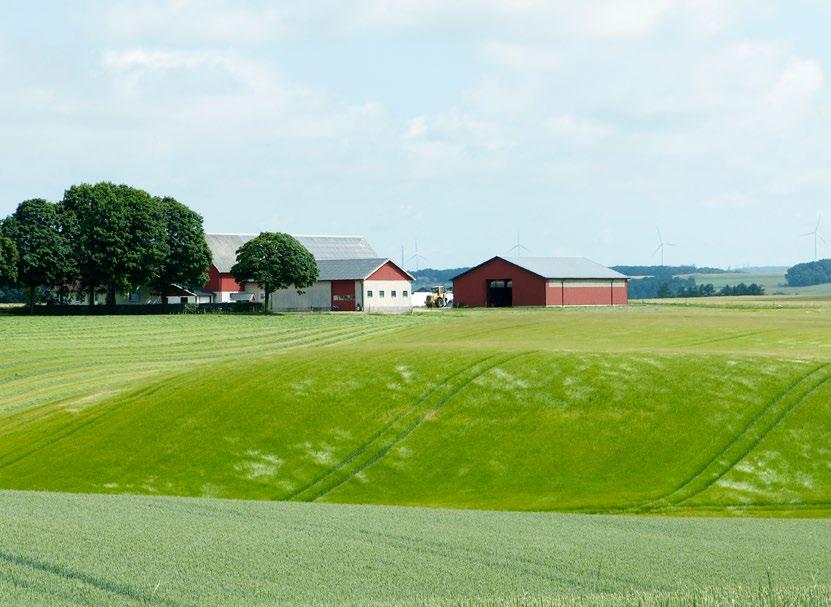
540	281
352	277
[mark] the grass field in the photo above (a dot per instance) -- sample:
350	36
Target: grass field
646	409
109	550
634	409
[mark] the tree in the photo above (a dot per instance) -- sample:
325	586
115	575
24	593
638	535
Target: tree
8	258
188	256
275	261
120	237
44	254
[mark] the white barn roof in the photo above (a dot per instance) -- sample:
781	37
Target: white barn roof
224	248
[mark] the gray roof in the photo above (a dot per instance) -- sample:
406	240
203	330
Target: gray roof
349	269
559	267
564	267
224	248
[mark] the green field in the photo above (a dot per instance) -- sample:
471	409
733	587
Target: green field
646	409
109	550
638	409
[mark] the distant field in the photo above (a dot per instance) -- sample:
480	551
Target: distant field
106	550
774	284
638	409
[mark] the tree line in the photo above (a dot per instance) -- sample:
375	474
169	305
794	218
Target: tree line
810	273
112	239
102	238
658	287
709	290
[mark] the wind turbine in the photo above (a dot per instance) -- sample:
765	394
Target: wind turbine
417	257
662	245
816	236
518	248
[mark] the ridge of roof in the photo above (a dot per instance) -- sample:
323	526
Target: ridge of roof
556	267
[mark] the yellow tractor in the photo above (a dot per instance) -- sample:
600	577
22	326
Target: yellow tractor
438	297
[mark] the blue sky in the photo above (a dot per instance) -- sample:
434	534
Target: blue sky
582	125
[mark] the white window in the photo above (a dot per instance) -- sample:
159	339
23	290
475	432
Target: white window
369	293
380	294
393	294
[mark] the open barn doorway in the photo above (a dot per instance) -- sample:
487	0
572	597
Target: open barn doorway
500	293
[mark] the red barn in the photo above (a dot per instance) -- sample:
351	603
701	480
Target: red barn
540	281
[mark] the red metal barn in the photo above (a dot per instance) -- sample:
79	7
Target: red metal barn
540	281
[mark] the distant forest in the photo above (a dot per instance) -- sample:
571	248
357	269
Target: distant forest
666	270
665	281
810	273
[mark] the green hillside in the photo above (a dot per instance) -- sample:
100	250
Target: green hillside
773	282
103	550
639	409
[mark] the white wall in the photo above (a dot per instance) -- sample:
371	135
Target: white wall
145	297
316	297
376	303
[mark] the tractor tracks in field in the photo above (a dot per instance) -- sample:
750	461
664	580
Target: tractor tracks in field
78	578
398	429
742	443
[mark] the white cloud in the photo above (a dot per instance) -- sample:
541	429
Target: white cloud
523	57
759	84
797	84
615	18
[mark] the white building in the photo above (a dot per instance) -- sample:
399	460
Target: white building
352	277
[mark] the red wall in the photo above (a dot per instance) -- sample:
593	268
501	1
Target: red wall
586	296
220	282
471	289
621	294
343	287
389	271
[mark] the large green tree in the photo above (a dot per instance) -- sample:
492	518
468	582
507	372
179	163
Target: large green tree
188	256
120	236
275	261
44	253
8	258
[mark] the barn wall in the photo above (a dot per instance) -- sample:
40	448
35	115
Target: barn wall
586	292
471	289
389	271
343	295
316	297
376	303
221	282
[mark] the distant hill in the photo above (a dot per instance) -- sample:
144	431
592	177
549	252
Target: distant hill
666	270
429	277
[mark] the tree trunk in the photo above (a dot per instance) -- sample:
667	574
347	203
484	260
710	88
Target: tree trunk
111	297
267	295
92	296
31	299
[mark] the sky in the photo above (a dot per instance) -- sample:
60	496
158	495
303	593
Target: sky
579	126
